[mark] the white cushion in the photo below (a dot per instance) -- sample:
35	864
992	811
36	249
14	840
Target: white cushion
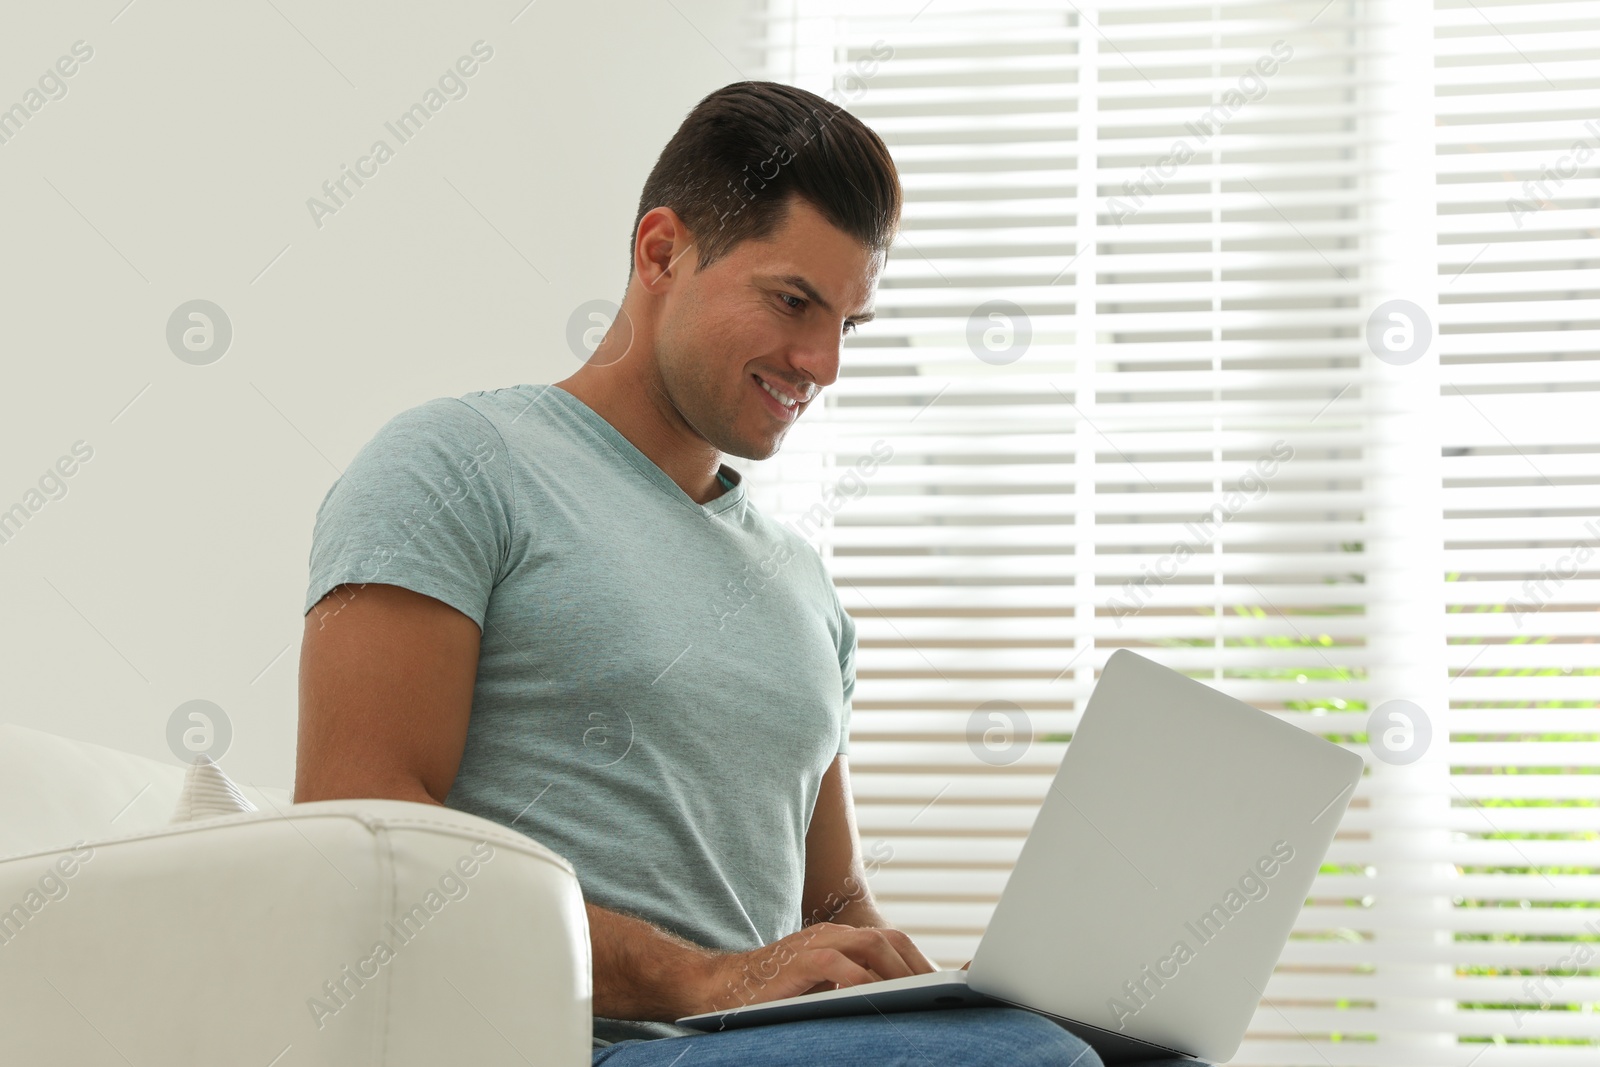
208	793
57	790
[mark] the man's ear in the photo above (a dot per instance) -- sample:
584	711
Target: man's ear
659	249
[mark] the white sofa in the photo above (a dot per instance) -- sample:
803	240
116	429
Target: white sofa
254	938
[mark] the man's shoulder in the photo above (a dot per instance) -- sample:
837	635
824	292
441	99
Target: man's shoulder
511	402
502	412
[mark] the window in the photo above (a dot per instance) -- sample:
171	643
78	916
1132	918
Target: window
1261	338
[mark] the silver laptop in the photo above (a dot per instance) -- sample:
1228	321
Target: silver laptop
1159	883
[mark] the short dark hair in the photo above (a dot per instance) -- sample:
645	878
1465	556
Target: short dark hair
742	153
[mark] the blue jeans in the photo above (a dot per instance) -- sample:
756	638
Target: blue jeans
958	1037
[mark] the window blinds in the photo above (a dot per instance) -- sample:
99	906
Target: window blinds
1517	106
1234	333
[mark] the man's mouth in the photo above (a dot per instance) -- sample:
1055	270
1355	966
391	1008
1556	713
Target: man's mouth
779	400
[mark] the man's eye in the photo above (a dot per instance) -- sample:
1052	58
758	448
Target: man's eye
800	303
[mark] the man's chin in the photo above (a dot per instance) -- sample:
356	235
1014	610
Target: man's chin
752	448
757	452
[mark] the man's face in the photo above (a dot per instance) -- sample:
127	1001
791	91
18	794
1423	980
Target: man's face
772	312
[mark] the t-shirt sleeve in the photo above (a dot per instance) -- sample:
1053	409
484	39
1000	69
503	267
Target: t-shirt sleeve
847	671
426	505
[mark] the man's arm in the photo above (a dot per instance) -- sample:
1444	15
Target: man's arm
386	679
836	879
836	887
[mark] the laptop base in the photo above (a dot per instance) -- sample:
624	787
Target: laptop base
939	991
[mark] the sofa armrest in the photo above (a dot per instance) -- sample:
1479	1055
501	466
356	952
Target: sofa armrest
341	932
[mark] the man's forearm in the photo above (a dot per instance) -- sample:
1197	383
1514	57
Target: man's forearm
861	912
644	972
641	971
848	902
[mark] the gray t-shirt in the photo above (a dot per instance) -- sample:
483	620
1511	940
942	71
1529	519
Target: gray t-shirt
661	684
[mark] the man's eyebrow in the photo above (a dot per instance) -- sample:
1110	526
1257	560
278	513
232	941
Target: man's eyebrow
816	297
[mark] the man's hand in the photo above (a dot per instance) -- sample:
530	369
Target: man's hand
821	956
644	972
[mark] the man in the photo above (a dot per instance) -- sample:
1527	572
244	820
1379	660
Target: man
536	604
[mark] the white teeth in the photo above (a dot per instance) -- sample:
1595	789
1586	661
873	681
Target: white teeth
785	401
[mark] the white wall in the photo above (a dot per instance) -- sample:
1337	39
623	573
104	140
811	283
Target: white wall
178	166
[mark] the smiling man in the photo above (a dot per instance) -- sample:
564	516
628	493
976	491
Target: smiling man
517	608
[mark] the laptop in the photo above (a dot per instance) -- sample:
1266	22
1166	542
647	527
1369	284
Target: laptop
1158	885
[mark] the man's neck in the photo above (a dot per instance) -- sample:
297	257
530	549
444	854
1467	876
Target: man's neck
638	415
